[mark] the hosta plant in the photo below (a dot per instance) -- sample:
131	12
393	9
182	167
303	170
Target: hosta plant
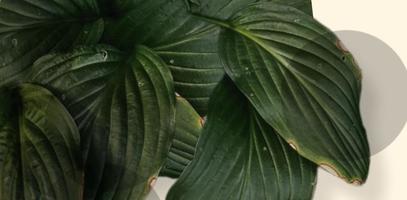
238	99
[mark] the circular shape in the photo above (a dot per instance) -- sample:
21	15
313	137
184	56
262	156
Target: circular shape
384	82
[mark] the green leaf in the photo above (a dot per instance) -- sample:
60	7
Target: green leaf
187	44
223	9
239	156
125	109
31	28
39	147
188	127
301	83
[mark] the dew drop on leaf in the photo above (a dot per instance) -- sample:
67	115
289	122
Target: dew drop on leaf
14	42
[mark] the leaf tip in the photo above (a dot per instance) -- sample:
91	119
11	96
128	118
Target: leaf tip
357	182
351	180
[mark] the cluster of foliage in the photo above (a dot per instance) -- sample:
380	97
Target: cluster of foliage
239	99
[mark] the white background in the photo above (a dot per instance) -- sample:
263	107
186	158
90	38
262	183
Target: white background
386	20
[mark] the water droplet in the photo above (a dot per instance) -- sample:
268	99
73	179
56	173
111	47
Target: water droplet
264	148
141	84
251	94
105	55
85	32
247	69
172	61
297	20
14	42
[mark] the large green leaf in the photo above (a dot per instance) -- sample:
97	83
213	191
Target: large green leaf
31	28
188	45
239	156
301	83
188	127
39	147
125	109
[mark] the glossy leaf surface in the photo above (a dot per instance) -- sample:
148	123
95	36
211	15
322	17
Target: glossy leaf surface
301	82
30	29
187	44
125	108
39	147
224	9
188	127
241	157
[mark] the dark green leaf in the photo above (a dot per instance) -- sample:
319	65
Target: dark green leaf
301	83
188	127
125	109
223	9
240	157
187	44
39	147
31	28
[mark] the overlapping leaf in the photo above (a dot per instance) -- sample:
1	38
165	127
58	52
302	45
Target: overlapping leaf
223	9
188	127
188	45
301	83
241	157
30	29
125	109
39	147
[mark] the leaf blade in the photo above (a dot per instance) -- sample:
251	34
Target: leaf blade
188	127
125	108
43	156
187	45
30	29
287	62
241	157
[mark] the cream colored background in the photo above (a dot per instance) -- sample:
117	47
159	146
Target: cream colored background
385	20
388	168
